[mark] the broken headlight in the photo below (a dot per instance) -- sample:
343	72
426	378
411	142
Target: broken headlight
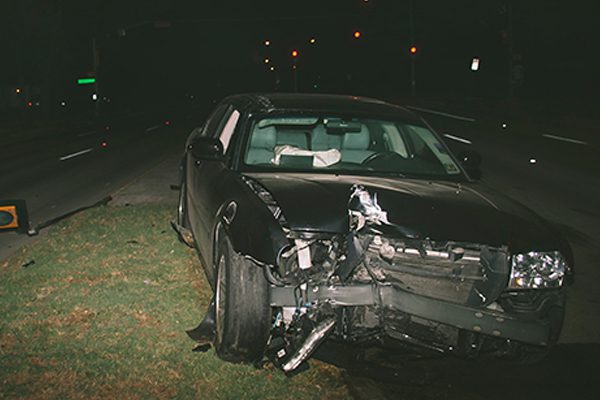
537	270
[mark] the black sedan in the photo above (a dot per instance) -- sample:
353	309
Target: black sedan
346	218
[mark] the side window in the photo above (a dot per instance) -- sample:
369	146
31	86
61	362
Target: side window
429	149
228	129
214	121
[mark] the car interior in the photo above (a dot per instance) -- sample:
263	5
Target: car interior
400	147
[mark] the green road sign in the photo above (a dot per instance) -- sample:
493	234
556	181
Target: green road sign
86	81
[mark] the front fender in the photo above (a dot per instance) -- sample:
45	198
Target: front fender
252	229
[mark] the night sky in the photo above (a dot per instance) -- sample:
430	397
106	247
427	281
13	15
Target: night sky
162	51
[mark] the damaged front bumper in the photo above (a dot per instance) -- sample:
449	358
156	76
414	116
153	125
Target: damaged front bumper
388	301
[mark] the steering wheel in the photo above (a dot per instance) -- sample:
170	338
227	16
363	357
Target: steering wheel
382	155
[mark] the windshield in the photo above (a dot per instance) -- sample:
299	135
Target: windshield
357	145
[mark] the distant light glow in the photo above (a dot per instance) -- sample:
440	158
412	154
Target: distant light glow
267	43
357	34
413	49
312	40
272	68
266	60
104	144
475	64
532	161
504	125
29	104
94	96
294	53
18	90
62	103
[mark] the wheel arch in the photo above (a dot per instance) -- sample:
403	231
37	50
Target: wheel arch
252	232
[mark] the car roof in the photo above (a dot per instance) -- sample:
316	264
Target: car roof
273	102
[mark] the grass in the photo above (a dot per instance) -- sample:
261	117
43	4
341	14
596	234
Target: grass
102	313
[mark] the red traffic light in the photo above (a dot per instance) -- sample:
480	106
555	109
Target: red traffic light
294	53
413	50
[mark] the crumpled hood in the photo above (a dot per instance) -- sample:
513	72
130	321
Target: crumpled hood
436	210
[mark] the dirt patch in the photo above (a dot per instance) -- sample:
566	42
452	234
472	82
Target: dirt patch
77	316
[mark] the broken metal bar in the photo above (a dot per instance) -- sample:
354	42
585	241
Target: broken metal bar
315	337
352	295
34	231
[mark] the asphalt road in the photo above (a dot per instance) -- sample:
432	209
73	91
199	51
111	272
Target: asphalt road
60	171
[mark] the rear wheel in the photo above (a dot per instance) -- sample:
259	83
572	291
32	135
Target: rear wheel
182	218
183	224
242	310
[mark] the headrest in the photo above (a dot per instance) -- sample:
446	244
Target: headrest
264	138
356	140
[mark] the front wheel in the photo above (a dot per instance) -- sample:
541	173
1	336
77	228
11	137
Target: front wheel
242	310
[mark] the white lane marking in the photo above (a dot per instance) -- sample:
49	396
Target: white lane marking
457	138
469	119
152	128
79	153
86	133
564	139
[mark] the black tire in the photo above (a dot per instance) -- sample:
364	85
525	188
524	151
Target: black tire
182	217
182	226
242	310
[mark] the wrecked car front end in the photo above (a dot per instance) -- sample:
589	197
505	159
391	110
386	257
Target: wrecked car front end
381	280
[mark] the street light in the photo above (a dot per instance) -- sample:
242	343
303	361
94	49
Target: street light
357	34
312	40
413	80
295	54
267	43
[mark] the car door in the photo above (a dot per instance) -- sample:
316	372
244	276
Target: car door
204	183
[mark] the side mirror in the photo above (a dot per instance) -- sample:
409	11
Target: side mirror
471	162
204	148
